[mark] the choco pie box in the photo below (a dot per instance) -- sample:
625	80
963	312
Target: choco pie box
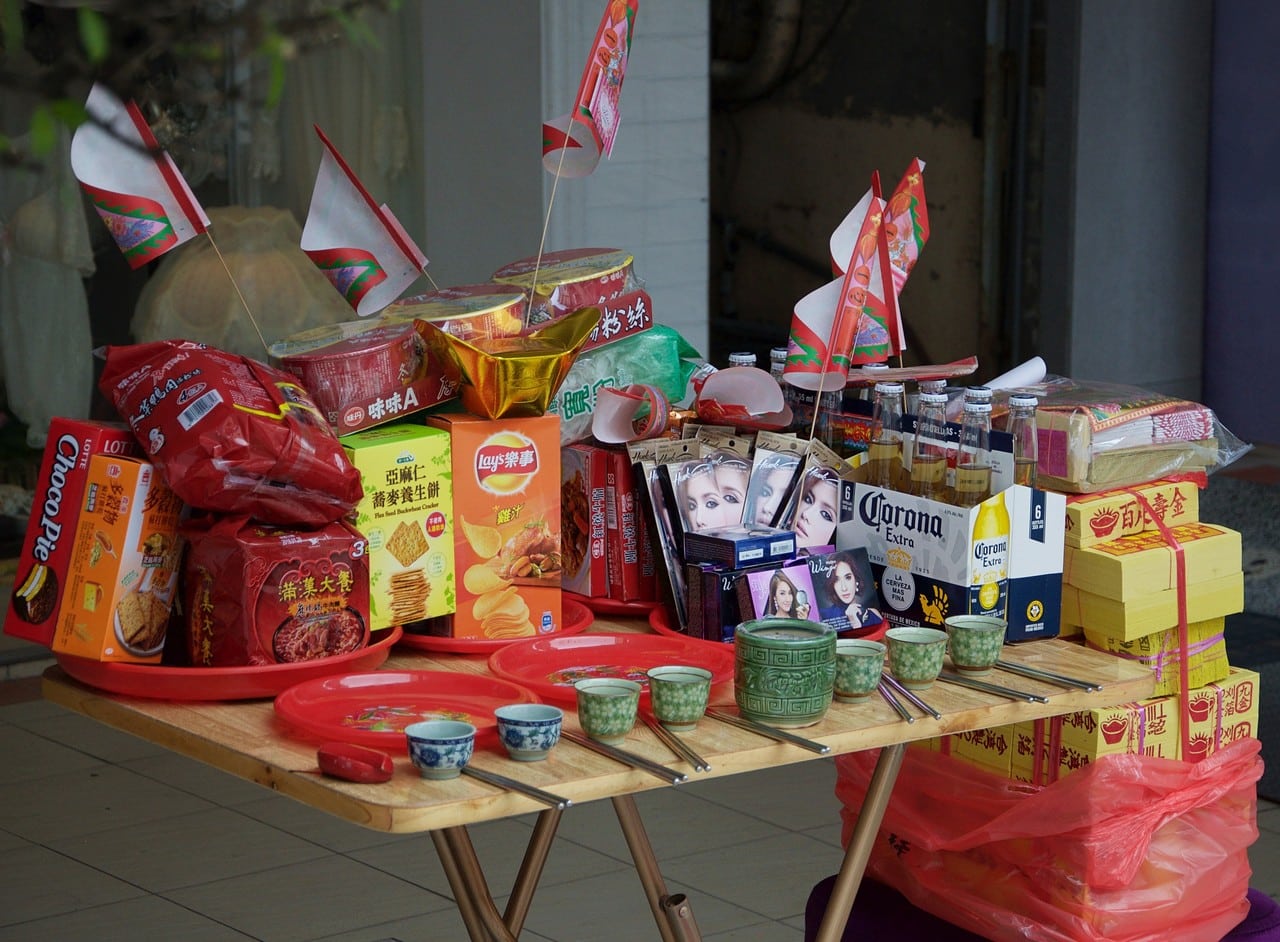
507	552
32	612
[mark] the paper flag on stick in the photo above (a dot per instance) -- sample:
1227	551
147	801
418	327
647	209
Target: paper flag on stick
844	322
906	230
572	143
135	186
358	245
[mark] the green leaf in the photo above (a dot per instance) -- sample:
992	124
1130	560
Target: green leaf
44	131
70	112
94	34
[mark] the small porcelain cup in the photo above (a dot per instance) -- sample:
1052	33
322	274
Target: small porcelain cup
679	695
915	655
529	731
859	665
607	708
975	642
440	748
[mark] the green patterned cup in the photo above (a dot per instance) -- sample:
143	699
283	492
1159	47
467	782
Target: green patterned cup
679	695
915	655
607	708
859	665
784	670
975	642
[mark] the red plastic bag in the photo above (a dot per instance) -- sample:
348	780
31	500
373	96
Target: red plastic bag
1129	849
230	434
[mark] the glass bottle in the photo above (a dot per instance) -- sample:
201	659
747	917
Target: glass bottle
933	386
742	358
866	390
884	454
1022	426
929	449
777	363
973	460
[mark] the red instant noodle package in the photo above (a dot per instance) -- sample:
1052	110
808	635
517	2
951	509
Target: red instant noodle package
230	434
258	594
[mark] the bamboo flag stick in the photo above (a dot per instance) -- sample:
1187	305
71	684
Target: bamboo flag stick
243	302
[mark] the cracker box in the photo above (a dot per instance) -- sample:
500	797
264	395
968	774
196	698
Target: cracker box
583	534
123	571
932	560
406	515
42	569
1223	712
1158	611
1132	566
507	553
1098	518
630	553
1161	653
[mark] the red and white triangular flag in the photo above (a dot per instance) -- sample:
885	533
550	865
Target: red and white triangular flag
357	244
135	186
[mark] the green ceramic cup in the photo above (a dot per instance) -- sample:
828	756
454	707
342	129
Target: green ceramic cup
607	708
784	670
915	655
679	695
859	665
975	641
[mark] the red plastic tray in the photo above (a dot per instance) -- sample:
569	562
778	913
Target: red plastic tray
604	606
373	708
576	617
550	666
162	682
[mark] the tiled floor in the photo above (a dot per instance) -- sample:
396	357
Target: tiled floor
105	837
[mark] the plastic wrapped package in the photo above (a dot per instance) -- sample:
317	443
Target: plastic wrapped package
1129	849
1097	436
658	357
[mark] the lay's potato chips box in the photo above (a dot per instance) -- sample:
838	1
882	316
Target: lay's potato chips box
507	538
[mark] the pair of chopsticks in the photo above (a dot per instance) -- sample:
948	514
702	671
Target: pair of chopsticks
889	686
769	732
511	784
996	690
1049	677
677	745
626	758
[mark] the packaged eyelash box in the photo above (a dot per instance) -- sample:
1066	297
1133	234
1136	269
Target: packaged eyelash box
735	547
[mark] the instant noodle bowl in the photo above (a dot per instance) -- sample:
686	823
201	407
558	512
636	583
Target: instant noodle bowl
569	280
256	594
469	312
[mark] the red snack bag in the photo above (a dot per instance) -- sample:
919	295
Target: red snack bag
260	594
231	434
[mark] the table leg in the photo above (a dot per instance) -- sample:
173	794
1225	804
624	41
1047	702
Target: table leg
861	841
673	914
535	855
478	922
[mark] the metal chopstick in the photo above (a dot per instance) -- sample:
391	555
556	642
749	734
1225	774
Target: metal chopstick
501	781
893	702
625	757
995	689
770	732
678	746
909	696
1036	673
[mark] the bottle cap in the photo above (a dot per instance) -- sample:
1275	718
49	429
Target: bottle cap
933	385
978	408
933	399
891	389
777	353
1023	401
875	366
977	394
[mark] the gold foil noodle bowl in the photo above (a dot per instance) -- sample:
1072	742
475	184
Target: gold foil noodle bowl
513	376
472	312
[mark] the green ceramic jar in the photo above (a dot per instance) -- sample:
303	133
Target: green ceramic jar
784	670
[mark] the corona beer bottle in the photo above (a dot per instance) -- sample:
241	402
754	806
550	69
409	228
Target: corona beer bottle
884	454
989	559
929	448
973	460
1022	426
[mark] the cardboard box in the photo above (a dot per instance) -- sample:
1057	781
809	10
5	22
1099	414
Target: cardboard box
736	547
42	569
1223	712
406	514
991	749
506	494
630	551
1138	565
123	571
583	532
1161	653
1098	518
1045	750
928	565
1158	611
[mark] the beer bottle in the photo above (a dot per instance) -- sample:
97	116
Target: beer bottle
989	558
973	460
929	449
867	390
1022	426
742	359
777	363
884	455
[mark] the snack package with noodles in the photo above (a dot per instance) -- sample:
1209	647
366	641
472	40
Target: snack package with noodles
230	434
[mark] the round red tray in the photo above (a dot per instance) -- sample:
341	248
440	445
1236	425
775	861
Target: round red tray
576	617
550	666
612	606
162	682
373	708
